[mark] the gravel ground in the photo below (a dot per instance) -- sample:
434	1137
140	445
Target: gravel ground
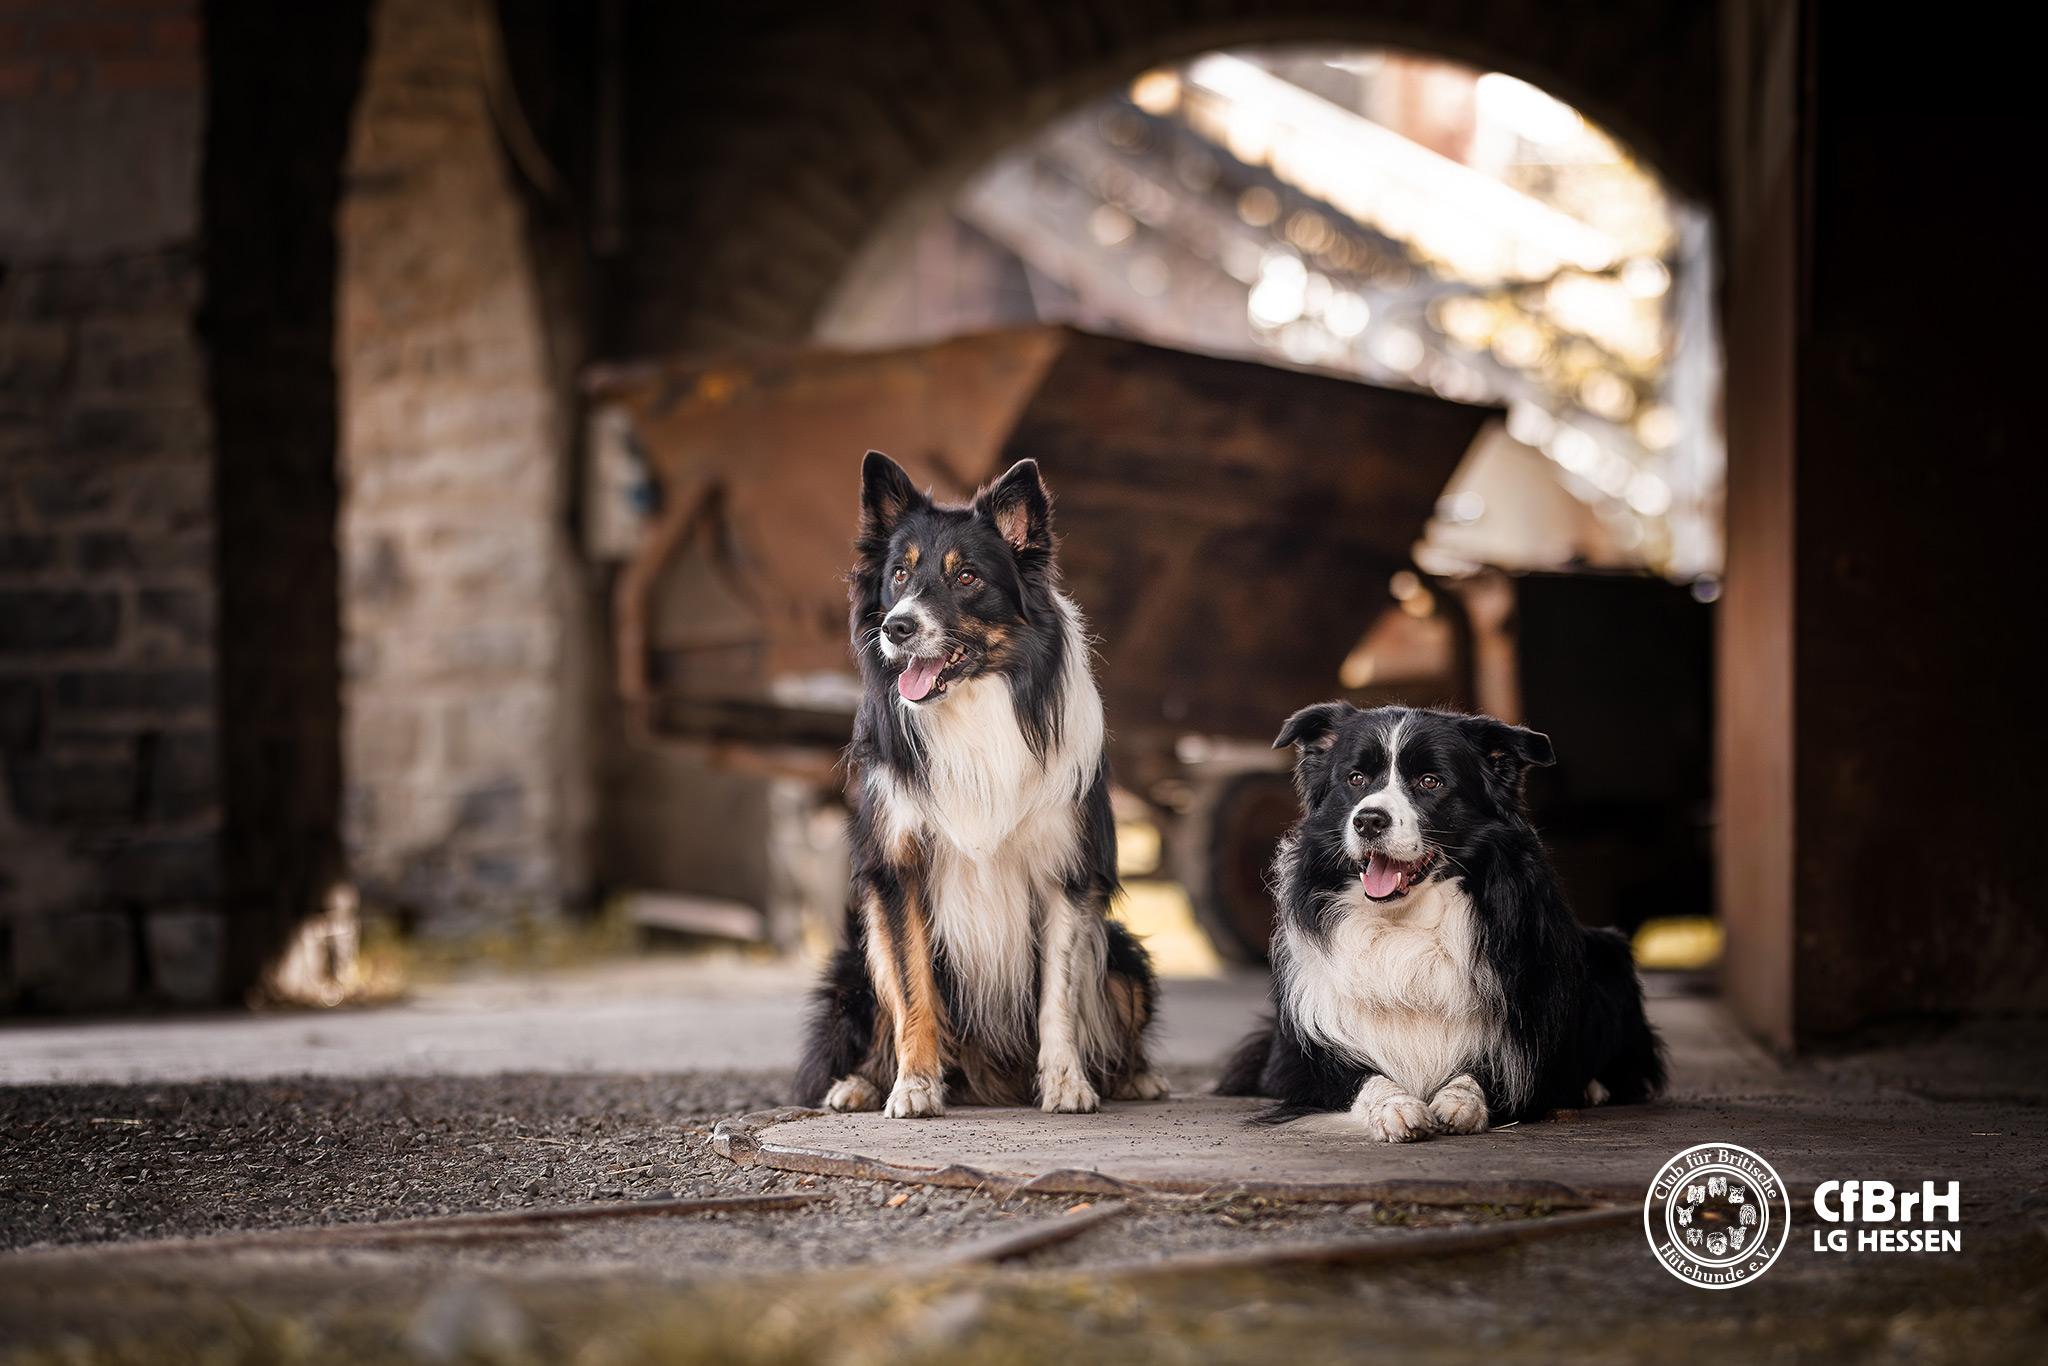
87	1164
837	1280
93	1163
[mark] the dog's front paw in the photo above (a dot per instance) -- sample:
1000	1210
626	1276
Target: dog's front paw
853	1093
1398	1119
1390	1114
1460	1106
1145	1085
916	1098
1063	1089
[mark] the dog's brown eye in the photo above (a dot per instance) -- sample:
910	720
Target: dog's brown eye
1356	779
1429	782
900	577
967	580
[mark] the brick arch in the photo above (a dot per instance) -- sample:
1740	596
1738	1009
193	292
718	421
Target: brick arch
765	154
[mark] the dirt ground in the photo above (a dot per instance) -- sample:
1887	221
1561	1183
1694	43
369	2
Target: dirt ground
98	1164
261	1219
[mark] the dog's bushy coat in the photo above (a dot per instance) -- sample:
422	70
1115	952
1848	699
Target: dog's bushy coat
979	960
1466	963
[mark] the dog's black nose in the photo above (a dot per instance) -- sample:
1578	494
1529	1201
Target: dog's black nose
1371	822
899	630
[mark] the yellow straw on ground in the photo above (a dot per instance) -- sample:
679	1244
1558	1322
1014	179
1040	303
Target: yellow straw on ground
1687	943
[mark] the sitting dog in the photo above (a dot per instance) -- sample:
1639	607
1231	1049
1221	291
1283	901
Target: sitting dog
980	962
1427	973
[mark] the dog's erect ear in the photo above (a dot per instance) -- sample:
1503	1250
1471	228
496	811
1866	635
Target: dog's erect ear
1313	729
886	493
1511	751
1019	508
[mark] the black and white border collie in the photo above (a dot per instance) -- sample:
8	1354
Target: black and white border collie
1427	974
980	962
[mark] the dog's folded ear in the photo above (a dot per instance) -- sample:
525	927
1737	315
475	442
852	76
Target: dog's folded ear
1314	729
1018	507
886	493
1313	732
1511	751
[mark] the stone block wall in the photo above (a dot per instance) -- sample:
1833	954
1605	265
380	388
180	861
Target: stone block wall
110	814
467	787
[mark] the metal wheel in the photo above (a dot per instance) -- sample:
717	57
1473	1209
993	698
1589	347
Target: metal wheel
1222	852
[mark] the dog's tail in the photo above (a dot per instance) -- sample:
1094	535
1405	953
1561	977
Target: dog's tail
1244	1073
1285	1113
840	1027
1633	1070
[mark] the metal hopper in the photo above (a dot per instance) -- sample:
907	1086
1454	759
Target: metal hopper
1227	527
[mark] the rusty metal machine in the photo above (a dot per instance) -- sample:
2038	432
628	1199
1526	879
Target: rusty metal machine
1229	529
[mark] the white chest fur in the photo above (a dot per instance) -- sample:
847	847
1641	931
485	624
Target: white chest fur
1002	825
1400	989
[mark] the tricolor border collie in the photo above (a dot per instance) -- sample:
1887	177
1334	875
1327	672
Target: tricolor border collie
1427	974
980	963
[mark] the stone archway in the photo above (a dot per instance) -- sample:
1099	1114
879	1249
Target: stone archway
766	153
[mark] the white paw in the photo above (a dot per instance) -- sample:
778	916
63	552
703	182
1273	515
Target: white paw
916	1098
1146	1085
1596	1094
1396	1118
1460	1107
853	1093
1063	1089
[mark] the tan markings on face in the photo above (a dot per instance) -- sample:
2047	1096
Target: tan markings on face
911	555
950	563
991	641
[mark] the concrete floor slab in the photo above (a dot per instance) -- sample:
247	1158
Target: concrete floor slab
712	1012
845	1275
1812	1125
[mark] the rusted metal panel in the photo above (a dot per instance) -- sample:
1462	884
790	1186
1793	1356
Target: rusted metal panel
1228	527
762	459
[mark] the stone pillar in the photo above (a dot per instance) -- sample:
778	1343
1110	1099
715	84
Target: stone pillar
281	85
466	779
110	815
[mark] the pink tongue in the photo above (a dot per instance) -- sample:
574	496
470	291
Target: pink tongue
1381	876
916	680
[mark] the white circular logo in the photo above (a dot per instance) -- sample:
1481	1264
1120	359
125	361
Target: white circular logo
1717	1216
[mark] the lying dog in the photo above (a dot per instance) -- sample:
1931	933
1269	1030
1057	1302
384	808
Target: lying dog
980	962
1427	973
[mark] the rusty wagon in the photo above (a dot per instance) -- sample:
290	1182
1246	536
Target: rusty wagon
1229	528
